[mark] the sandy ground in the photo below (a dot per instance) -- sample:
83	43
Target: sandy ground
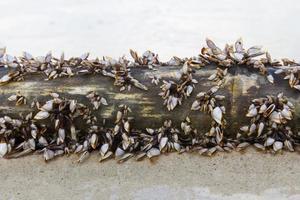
251	175
169	27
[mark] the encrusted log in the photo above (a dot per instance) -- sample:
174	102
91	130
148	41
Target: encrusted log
241	85
219	101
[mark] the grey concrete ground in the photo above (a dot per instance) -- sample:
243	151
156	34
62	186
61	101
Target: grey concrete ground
251	175
169	27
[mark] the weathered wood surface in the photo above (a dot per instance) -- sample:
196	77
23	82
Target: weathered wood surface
241	86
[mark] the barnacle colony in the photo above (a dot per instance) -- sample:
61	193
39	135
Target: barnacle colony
201	90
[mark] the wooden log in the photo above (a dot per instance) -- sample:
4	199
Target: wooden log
242	84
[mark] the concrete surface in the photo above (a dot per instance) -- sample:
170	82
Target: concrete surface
251	175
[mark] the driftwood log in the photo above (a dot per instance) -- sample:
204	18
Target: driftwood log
222	100
241	86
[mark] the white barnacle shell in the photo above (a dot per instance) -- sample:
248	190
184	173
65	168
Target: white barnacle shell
252	128
104	149
54	95
288	145
12	98
239	45
217	115
177	146
252	112
277	146
195	105
31	143
61	135
127	126
212	77
262	108
270	78
286	113
33	133
269	141
42	115
119	116
279	71
260	128
163	143
172	102
244	128
3	149
42	141
103	101
189	90
238	56
96	104
150	130
210	43
48	154
119	152
48	106
5	78
255	51
276	117
153	152
72	106
94	141
297	87
259	146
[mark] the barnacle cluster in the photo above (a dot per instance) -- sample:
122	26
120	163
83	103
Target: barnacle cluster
148	58
18	98
208	102
232	55
268	128
292	74
123	79
173	93
52	131
218	76
96	99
